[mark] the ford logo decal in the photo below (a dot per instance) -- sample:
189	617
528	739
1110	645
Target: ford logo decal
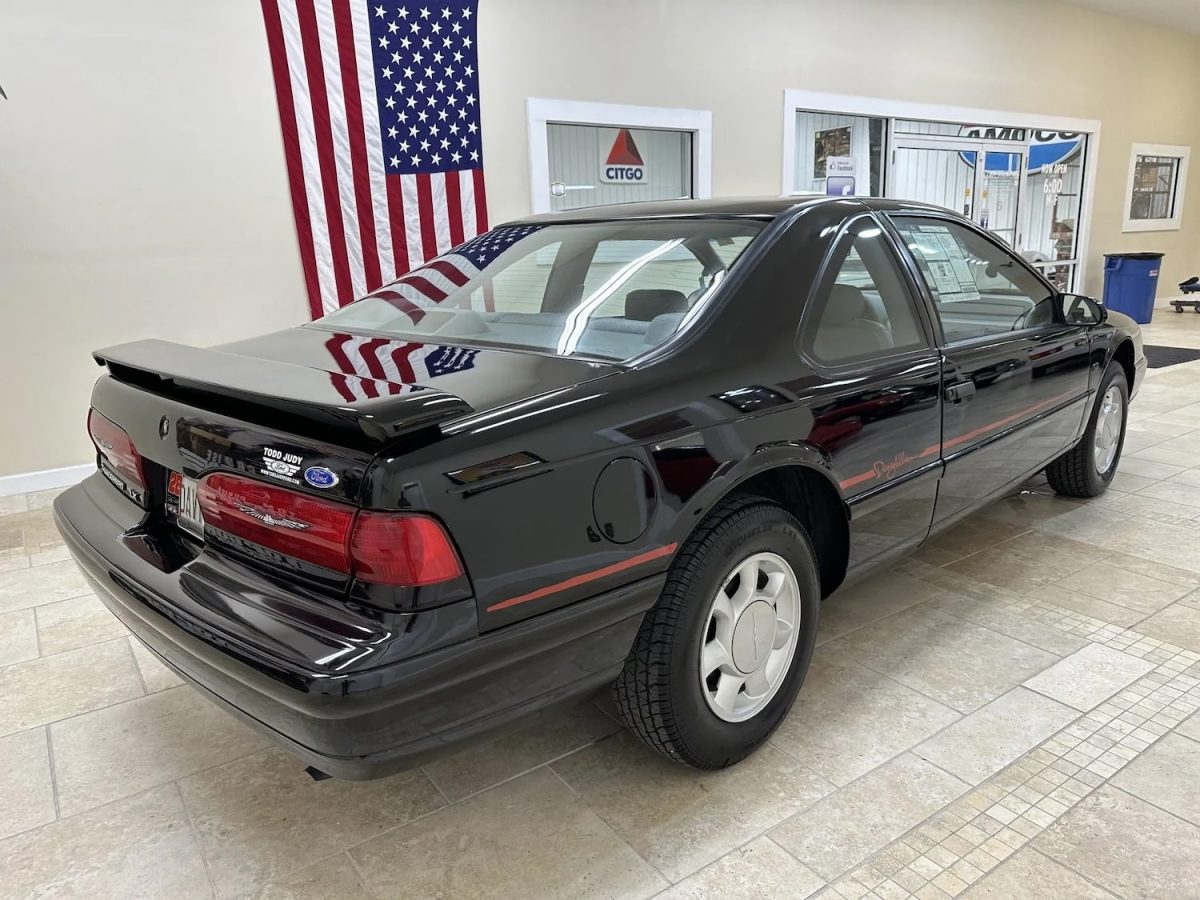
320	477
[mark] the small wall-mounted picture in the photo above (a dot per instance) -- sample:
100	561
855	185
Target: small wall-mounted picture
830	142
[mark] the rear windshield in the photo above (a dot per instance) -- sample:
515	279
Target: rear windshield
610	290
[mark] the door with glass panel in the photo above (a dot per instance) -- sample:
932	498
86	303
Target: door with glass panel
947	172
1052	205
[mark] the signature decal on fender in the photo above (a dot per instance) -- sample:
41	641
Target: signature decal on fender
887	469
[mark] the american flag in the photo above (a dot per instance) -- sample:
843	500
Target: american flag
379	107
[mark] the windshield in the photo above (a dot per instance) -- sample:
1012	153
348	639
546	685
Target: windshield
609	289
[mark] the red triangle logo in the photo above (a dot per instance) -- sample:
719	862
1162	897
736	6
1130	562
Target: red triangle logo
624	151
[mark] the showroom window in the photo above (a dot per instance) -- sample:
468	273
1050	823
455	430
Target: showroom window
1028	179
592	165
839	154
1157	179
584	154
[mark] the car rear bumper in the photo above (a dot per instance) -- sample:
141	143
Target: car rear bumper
369	722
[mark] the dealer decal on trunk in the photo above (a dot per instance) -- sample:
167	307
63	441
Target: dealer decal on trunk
281	466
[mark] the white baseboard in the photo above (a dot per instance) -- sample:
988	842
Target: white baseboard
27	482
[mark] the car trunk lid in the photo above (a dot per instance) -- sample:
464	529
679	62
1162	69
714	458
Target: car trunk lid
360	411
306	410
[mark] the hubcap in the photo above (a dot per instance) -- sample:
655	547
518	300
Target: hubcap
750	636
1108	429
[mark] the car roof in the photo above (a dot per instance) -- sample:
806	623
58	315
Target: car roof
746	207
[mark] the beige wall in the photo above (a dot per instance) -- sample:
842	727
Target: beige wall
143	193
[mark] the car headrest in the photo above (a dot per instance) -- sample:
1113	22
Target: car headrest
647	304
846	304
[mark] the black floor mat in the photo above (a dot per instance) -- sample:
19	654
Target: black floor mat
1161	357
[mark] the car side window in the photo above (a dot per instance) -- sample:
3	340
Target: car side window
977	287
862	309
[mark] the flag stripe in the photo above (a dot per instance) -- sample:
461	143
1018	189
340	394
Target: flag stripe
481	218
291	145
395	205
327	168
441	227
401	357
429	248
412	221
425	286
456	276
466	202
402	303
354	350
343	166
453	202
310	167
360	171
374	366
428	275
336	345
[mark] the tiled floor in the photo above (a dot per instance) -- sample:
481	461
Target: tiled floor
1012	712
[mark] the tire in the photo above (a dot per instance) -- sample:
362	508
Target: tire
661	693
1077	473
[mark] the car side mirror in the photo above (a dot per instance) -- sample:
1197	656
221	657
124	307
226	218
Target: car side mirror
1080	310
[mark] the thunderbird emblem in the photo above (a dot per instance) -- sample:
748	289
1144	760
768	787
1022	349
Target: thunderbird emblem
267	519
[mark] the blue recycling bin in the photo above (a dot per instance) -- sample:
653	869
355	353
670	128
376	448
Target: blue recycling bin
1130	282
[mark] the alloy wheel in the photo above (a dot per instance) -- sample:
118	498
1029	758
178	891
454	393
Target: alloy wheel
750	636
1108	429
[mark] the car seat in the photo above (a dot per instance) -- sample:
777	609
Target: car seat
847	328
647	304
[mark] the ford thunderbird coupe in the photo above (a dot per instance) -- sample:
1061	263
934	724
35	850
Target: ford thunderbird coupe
632	446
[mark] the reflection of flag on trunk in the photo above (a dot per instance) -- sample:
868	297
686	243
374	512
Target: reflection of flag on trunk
379	107
375	367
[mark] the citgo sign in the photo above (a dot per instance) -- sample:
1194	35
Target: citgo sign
624	164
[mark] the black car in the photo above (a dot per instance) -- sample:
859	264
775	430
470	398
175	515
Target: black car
633	445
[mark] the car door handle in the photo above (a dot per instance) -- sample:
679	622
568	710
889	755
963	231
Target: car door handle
962	392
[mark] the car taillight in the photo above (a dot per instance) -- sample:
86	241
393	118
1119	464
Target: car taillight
383	548
400	548
282	520
114	444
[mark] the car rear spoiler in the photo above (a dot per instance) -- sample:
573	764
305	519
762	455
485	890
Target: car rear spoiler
313	400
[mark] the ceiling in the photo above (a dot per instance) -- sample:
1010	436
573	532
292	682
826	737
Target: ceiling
1177	14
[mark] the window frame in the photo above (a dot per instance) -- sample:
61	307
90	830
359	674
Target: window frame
927	294
1174	222
541	111
823	284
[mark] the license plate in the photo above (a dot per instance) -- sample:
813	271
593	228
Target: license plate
184	504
